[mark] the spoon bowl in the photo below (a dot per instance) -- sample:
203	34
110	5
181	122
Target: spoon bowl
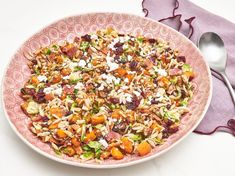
214	51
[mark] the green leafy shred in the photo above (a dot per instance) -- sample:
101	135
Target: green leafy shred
87	155
84	45
186	67
95	145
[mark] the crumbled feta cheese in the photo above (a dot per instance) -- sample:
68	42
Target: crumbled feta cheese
104	142
48	90
125	46
82	63
42	78
126	80
112	66
110	79
94	36
129	58
125	97
89	65
79	86
162	72
129	98
116	80
66	77
101	87
57	90
72	65
137	93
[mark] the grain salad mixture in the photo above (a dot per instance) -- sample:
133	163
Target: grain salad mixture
106	95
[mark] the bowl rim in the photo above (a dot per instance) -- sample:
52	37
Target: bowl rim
106	166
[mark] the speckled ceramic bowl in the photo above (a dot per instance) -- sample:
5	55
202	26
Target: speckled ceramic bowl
17	73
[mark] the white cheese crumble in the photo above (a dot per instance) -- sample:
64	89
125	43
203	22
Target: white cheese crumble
55	89
126	80
160	71
42	78
79	86
72	65
101	87
82	63
137	93
104	142
129	58
110	79
66	77
111	64
93	36
125	97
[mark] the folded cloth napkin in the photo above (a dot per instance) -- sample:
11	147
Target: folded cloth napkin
192	21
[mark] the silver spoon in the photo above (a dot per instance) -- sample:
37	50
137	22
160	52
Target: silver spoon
213	50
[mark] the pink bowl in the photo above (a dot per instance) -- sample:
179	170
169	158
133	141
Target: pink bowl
17	73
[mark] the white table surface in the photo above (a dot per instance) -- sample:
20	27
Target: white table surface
196	155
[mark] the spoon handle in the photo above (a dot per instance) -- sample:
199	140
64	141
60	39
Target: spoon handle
223	74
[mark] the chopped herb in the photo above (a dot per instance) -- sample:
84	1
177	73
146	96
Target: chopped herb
136	137
186	67
94	145
140	39
77	68
98	153
86	148
75	81
48	52
184	103
87	155
58	152
75	91
84	45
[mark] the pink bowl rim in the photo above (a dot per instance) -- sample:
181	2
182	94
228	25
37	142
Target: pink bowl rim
119	165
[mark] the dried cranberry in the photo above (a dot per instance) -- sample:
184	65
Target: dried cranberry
34	61
118	44
112	136
86	38
121	35
28	91
45	118
173	128
154	101
114	100
133	104
168	106
152	59
39	99
133	65
76	39
181	59
155	81
152	40
116	58
143	94
119	127
119	50
165	133
69	113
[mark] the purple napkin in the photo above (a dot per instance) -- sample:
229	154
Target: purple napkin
192	21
